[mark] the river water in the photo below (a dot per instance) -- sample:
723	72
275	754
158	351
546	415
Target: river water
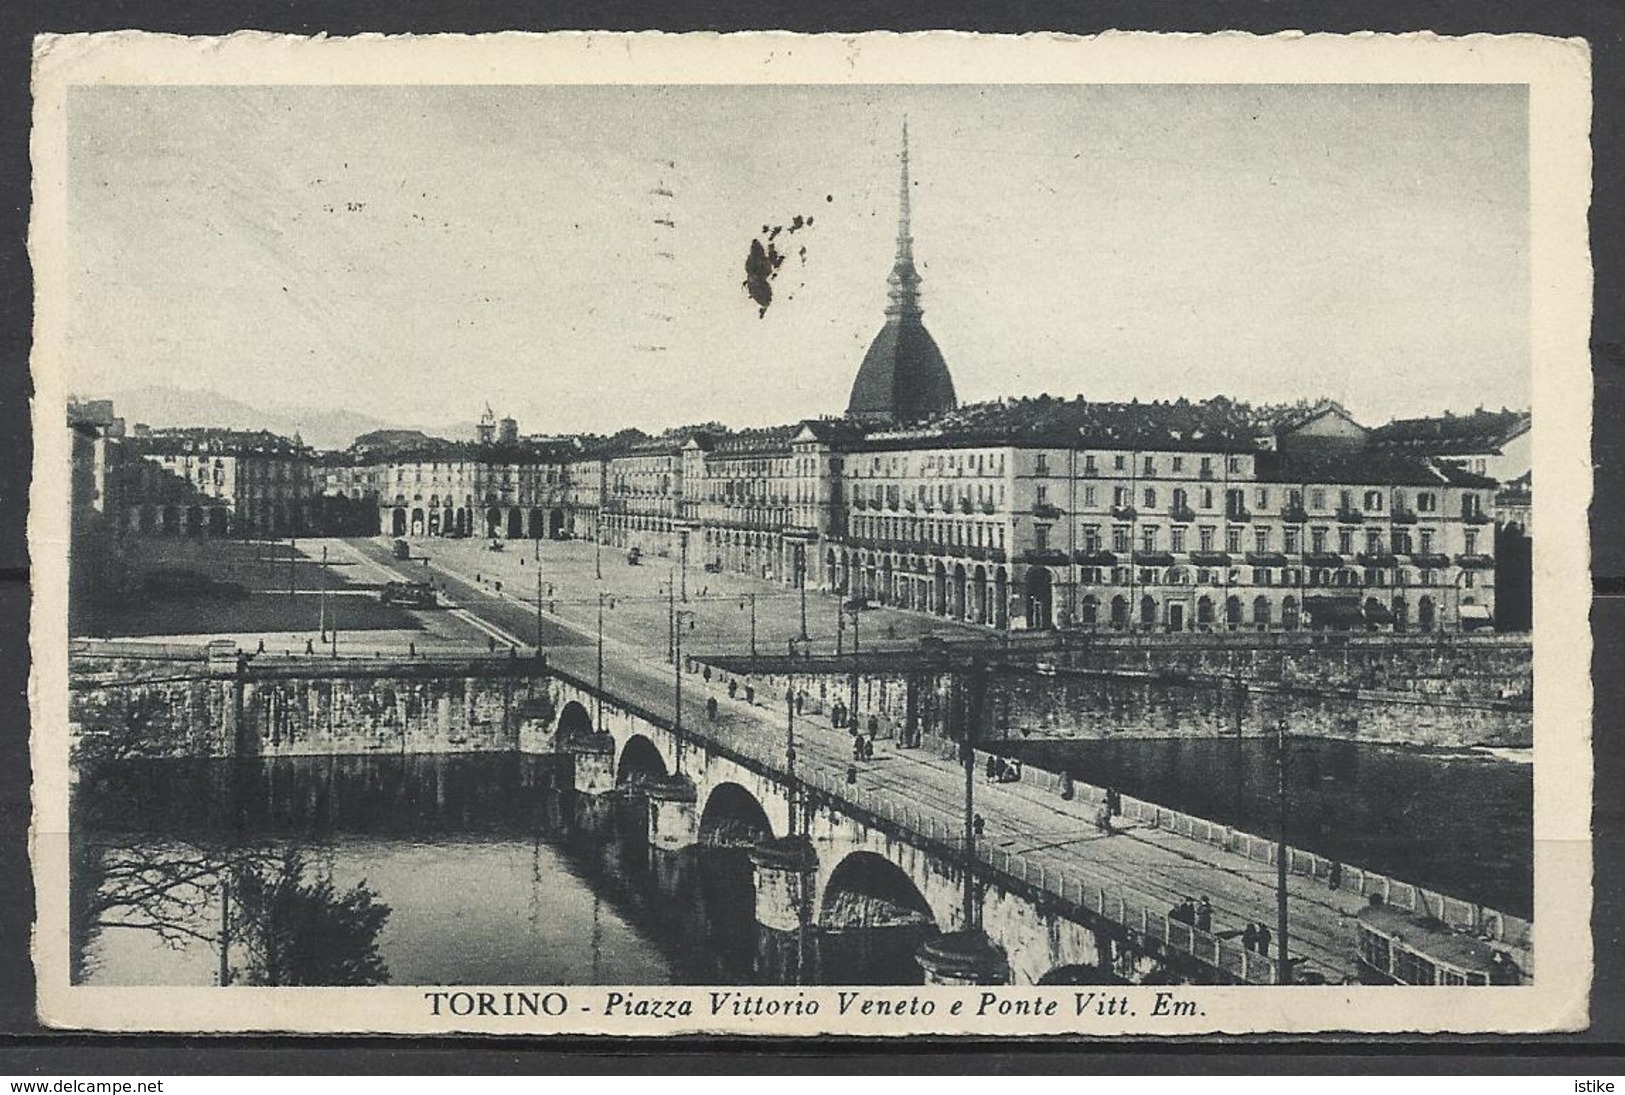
434	869
1459	822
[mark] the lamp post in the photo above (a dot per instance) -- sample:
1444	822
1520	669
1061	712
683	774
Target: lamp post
854	609
1283	964
682	547
750	599
677	617
603	598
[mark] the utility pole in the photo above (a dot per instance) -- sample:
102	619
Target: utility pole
538	605
855	723
969	707
321	601
752	598
682	547
677	675
602	596
801	580
671	620
1283	964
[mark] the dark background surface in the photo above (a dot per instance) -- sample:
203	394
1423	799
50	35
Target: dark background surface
25	1047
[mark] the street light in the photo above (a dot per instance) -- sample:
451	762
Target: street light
1283	964
603	599
677	617
751	599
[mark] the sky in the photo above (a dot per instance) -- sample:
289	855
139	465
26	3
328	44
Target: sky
413	253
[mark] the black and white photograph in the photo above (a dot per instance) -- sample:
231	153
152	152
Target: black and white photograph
802	535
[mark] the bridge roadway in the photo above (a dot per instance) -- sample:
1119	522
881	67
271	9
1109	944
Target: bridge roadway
1051	834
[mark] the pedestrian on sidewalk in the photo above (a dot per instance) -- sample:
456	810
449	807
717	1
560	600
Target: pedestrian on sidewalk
711	708
1263	940
1204	914
309	648
1249	937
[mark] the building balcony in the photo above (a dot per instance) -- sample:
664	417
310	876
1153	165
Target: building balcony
1205	473
985	507
965	505
1266	559
1479	518
1049	557
1380	559
1047	512
1476	562
1123	513
1089	473
1402	517
910	506
1294	515
1182	515
1153	559
1322	560
1238	514
1430	560
1210	558
1348	516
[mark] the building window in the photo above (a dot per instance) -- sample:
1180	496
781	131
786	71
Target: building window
1041	537
1469	541
1119	538
1043	494
1119	462
1150	466
1468	578
1261	539
1317	541
1150	498
1148	537
1232	540
1176	538
1345	541
1427	502
1182	500
1207	497
1317	498
1426	538
1263	498
1043	464
1261	576
1088	463
1233	463
1179	463
1089	496
1289	540
1373	501
1091	539
1205	537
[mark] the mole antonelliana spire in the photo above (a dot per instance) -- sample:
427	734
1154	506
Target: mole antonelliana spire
903	377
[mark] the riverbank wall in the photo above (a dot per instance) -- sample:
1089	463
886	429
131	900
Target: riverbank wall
169	700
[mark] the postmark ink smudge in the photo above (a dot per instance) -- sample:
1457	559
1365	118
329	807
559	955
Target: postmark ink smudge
764	259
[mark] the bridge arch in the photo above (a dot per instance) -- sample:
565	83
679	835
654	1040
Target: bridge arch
1080	975
640	762
867	890
872	919
732	816
574	721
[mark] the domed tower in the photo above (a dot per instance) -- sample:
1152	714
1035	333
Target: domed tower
903	377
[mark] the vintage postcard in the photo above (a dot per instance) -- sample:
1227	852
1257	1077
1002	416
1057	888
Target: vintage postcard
768	534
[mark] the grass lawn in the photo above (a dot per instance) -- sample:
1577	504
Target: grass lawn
252	613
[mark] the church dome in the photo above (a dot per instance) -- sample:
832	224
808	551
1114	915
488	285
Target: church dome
903	377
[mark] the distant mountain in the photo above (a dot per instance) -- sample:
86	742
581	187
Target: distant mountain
322	427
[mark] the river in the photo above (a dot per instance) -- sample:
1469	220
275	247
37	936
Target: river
431	869
1455	821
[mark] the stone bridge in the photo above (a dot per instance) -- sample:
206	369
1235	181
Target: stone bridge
829	858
